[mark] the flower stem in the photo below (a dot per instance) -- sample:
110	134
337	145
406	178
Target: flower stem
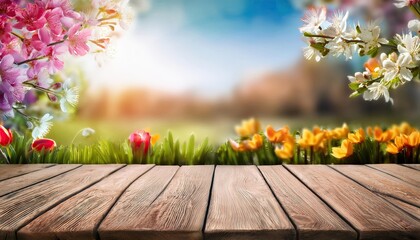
40	88
30	60
55	43
18	36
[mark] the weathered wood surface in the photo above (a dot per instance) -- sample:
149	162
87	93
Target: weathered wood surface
413	166
408	208
311	216
22	181
203	202
372	216
177	212
13	170
79	216
406	174
19	208
380	182
242	206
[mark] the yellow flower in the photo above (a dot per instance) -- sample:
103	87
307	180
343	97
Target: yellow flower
247	145
155	138
406	128
310	139
339	133
279	136
345	150
412	140
396	146
357	137
286	151
248	128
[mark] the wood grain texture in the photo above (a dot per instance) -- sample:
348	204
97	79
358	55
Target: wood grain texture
16	183
380	182
242	206
410	209
406	174
13	170
312	218
413	166
371	215
78	217
122	222
21	207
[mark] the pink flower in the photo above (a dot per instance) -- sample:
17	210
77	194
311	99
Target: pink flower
54	20
140	141
5	30
11	89
77	40
8	8
32	17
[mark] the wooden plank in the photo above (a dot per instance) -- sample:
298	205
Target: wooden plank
242	206
413	166
13	170
79	216
122	220
20	207
372	216
16	183
380	182
311	216
408	208
406	174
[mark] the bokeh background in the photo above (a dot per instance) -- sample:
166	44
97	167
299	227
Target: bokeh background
199	66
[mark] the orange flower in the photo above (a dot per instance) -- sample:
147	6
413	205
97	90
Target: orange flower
278	136
383	136
345	150
372	64
357	137
43	144
310	139
248	128
6	136
286	151
396	146
247	145
412	140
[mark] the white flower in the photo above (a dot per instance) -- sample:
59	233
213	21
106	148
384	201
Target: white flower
359	77
311	53
369	34
414	25
338	24
375	91
313	19
402	3
410	45
70	96
398	68
339	46
86	132
42	127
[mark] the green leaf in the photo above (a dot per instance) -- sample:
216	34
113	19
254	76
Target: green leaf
354	86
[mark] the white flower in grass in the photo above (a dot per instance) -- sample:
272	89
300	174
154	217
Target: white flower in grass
402	3
375	91
70	96
409	44
42	127
86	132
397	67
313	20
414	26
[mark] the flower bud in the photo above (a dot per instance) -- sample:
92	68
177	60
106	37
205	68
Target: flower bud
43	144
140	140
6	136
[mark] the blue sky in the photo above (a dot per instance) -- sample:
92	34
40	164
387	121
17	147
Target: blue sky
205	46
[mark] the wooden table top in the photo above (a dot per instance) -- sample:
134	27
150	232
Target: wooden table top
47	201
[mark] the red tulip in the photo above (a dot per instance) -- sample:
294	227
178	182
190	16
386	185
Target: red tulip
43	144
6	136
140	140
